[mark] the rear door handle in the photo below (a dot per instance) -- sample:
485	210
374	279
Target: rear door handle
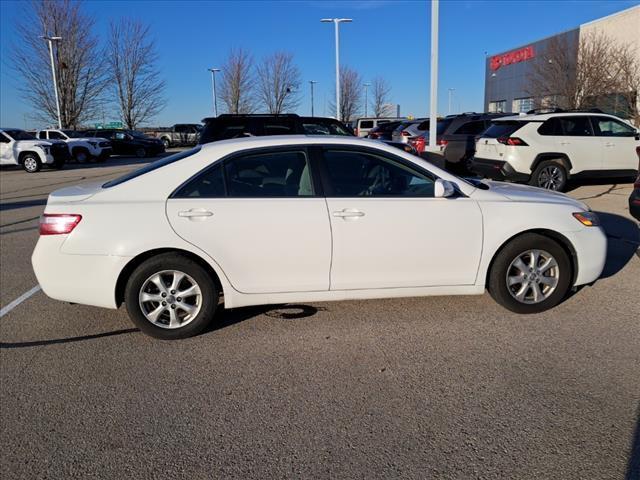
609	144
348	213
565	143
195	213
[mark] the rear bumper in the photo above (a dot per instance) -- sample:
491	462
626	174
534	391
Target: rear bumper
84	279
634	203
496	170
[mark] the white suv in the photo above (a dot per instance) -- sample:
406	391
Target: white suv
18	147
82	149
546	150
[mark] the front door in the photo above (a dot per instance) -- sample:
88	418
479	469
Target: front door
619	142
259	217
388	229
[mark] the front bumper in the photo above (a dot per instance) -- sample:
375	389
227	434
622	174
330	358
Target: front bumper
496	170
106	152
84	279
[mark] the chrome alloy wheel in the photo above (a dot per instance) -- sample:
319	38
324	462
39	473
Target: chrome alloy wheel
532	276
550	177
30	164
170	299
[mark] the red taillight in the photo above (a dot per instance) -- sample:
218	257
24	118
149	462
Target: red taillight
404	133
418	143
443	143
58	223
357	132
514	141
374	135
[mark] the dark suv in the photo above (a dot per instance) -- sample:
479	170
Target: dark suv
129	142
228	126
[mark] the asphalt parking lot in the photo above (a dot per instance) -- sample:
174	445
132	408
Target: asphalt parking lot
440	387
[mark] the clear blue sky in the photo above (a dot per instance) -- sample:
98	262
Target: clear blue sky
388	38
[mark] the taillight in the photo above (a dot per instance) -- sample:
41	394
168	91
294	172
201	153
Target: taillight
404	133
417	143
514	141
443	143
374	135
58	223
357	132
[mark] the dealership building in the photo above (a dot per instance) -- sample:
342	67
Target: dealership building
508	75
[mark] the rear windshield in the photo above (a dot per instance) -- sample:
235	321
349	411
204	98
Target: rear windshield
151	167
503	129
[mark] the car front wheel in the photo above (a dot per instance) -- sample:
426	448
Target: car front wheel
31	163
170	297
141	152
531	274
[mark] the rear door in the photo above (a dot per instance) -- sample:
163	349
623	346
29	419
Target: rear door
619	143
262	217
577	140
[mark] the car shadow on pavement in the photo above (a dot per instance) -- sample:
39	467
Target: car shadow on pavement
633	468
623	241
226	318
39	343
22	204
608	181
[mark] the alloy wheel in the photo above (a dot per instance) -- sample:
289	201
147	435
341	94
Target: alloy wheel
532	276
551	177
30	164
170	299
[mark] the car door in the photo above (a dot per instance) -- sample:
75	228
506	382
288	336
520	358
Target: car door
619	143
577	140
262	218
6	154
388	229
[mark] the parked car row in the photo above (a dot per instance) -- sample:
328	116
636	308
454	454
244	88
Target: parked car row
18	147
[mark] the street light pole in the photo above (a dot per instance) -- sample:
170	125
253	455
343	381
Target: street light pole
336	22
213	87
53	74
366	98
433	114
312	83
451	90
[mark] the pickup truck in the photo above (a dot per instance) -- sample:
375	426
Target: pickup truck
181	134
81	148
18	147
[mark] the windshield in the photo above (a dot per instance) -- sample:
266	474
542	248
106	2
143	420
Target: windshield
72	133
136	134
20	135
151	167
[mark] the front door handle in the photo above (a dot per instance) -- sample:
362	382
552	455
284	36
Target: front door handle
348	213
195	213
565	143
609	144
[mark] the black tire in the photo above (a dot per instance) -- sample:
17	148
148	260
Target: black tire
81	155
31	163
141	152
180	263
550	175
166	143
502	264
58	164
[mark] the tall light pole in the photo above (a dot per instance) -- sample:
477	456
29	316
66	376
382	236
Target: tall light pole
366	98
213	88
53	74
451	90
433	114
312	83
336	22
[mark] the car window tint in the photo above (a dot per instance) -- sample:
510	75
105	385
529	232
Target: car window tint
278	130
4	139
471	128
56	135
550	127
273	174
42	135
575	126
315	129
208	184
366	124
361	174
609	127
503	129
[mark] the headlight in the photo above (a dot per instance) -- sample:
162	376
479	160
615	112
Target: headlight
588	219
46	149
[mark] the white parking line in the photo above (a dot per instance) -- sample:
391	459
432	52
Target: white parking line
19	300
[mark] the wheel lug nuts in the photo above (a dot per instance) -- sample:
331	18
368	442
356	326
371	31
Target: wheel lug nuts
164	304
173	306
172	292
179	299
164	295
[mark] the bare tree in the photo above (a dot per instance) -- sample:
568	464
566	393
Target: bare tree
570	78
237	90
350	94
628	79
380	97
278	81
80	65
132	59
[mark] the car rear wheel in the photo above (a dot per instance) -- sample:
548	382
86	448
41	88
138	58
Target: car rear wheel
31	163
551	175
81	155
531	274
170	297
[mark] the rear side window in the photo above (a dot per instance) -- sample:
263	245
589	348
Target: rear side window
151	167
278	130
208	184
575	126
471	128
503	129
550	127
273	174
366	124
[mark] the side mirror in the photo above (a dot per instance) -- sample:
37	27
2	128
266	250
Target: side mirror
443	189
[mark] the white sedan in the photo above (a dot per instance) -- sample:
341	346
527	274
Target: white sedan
269	220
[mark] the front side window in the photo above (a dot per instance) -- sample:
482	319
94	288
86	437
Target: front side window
575	126
53	135
272	174
4	139
609	127
353	173
42	135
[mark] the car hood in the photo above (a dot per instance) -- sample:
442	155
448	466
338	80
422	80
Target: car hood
525	193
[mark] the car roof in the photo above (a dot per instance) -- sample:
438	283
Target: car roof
284	140
541	117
